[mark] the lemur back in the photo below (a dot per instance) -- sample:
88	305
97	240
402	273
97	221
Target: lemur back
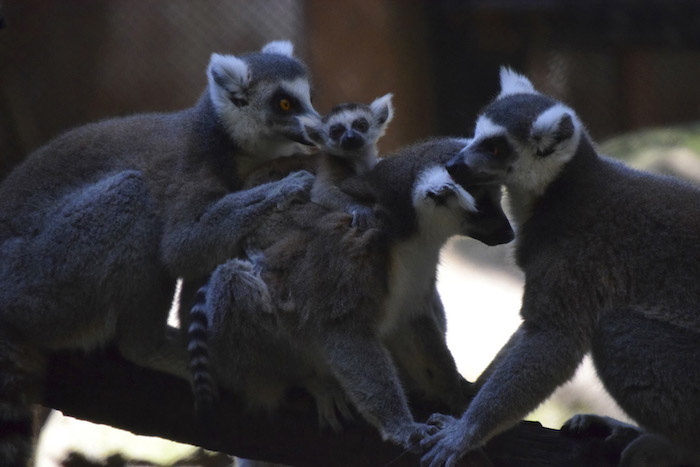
328	286
97	225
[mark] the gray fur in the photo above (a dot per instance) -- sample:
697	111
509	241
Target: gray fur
97	225
352	151
612	267
328	285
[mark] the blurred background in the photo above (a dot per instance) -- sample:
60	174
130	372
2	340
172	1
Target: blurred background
629	68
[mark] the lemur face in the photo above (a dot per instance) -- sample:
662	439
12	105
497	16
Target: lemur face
521	140
350	130
261	97
445	207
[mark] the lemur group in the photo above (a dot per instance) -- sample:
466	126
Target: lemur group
308	260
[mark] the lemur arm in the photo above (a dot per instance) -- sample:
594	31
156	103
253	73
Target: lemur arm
365	370
529	369
194	247
513	341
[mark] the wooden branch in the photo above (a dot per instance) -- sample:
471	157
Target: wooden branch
107	389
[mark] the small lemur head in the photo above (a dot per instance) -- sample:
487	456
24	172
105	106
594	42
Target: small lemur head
260	97
351	131
445	209
521	140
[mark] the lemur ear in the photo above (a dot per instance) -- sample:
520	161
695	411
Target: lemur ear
279	47
514	83
229	79
552	127
313	129
382	109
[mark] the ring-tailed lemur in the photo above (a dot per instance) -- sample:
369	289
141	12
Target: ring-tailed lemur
612	266
335	291
97	225
347	137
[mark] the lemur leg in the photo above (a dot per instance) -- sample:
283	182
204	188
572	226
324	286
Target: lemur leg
69	282
657	383
367	374
233	338
87	263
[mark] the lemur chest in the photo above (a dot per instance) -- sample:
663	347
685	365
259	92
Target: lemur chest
411	280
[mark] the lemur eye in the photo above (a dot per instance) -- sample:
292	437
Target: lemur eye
285	104
336	131
361	124
494	150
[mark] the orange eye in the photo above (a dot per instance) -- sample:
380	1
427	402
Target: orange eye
285	105
494	150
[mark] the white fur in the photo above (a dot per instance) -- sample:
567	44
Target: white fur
248	127
432	180
485	128
545	127
383	103
532	174
414	261
234	71
367	159
514	83
279	48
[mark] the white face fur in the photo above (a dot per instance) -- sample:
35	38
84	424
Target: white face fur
366	123
442	221
248	124
530	173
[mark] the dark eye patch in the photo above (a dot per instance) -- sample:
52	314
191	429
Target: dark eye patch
360	124
496	146
336	131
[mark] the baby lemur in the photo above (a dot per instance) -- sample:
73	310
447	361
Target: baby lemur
348	140
612	266
97	225
331	292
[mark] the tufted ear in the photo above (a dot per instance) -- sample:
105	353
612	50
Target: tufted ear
553	127
229	79
279	48
514	83
383	109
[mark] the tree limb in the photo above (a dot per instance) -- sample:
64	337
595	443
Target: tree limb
105	388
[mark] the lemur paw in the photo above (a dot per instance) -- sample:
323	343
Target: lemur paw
295	187
616	433
597	425
411	435
452	442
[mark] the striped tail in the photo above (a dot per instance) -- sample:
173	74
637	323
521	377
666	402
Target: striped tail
203	386
18	385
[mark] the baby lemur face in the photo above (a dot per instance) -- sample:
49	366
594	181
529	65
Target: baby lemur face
351	130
